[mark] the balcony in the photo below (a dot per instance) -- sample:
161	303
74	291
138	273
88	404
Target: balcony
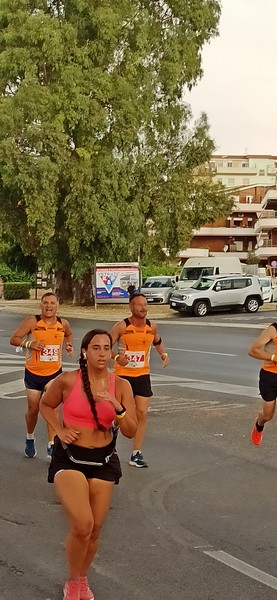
250	170
270	195
225	231
267	221
244	207
267	250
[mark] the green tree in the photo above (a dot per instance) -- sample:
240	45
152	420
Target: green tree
99	156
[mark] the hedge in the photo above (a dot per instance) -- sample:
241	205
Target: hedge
17	290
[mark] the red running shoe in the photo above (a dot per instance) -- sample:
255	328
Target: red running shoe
85	591
256	436
71	590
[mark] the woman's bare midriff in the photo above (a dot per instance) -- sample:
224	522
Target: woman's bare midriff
91	438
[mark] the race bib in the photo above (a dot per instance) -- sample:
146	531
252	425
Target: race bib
50	354
136	359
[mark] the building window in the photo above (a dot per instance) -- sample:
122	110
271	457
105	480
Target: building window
239	246
245	181
261	172
229	164
231	181
244	164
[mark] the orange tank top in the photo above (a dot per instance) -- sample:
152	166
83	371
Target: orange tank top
47	361
137	343
271	348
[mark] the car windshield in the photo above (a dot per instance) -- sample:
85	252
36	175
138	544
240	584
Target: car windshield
193	273
157	283
202	284
264	282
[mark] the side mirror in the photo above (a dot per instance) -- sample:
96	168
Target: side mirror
177	278
217	287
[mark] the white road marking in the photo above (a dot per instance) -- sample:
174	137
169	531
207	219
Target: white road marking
11	387
214	324
243	567
206	385
222	388
162	404
200	351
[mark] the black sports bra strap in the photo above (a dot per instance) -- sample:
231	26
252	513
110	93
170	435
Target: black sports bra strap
274	325
38	317
59	320
148	322
127	321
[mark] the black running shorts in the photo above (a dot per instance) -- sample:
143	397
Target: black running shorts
38	382
110	471
140	385
268	385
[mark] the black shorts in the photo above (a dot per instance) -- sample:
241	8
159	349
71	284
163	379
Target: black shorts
268	385
38	382
110	471
140	385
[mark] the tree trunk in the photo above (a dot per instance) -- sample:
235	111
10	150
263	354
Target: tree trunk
63	286
82	291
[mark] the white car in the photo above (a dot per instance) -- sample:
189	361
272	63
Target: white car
221	292
269	289
158	289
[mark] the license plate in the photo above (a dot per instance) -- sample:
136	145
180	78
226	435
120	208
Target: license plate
150	299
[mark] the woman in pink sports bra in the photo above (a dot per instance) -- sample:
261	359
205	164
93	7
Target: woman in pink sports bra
85	466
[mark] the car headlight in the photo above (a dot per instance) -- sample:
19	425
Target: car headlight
185	297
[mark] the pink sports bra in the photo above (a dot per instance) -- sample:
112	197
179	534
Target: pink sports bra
76	410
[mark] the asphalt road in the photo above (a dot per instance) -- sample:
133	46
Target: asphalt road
200	523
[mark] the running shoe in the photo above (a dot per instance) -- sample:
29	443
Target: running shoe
85	591
30	449
50	451
256	436
71	590
136	460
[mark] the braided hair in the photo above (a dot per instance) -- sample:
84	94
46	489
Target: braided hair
84	371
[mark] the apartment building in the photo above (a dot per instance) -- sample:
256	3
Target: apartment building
252	225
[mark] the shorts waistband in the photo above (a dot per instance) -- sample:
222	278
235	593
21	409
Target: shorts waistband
95	457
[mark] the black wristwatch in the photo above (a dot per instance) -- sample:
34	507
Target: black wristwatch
120	412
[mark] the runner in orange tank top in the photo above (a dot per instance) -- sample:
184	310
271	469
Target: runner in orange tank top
265	348
135	335
42	336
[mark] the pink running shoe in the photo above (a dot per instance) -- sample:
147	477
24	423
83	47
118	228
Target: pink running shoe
85	591
71	590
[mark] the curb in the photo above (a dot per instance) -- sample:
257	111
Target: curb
102	313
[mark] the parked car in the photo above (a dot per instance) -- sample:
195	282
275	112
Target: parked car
218	292
158	289
269	289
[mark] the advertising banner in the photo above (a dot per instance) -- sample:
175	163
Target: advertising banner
115	281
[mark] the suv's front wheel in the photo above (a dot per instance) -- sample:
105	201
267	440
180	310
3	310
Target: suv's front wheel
200	308
251	305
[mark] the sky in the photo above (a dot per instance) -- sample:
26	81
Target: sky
239	88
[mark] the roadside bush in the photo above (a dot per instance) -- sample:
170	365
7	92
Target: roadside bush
163	269
17	290
9	274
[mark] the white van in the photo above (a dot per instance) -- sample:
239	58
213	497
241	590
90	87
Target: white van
194	268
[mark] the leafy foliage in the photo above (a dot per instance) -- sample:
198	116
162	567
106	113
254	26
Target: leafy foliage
16	291
99	157
11	275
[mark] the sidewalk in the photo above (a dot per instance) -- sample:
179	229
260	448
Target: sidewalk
103	312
